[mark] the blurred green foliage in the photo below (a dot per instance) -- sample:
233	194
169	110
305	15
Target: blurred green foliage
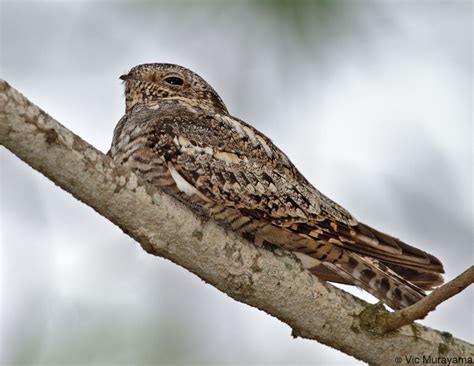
303	14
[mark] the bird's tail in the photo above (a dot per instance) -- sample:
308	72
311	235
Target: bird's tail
333	263
383	265
377	279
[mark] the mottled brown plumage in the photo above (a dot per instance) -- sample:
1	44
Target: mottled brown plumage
177	134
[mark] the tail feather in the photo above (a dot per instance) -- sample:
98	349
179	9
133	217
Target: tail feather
379	280
389	269
367	273
424	280
406	262
408	255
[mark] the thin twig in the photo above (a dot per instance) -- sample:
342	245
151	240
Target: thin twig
420	309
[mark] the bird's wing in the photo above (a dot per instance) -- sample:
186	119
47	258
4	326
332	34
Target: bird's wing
232	164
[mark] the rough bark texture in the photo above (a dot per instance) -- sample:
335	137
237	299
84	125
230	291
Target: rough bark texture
273	282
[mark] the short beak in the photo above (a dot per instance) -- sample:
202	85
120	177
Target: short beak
125	77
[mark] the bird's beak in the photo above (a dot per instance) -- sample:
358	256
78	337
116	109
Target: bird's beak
125	77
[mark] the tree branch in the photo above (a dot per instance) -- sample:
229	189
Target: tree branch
273	282
421	309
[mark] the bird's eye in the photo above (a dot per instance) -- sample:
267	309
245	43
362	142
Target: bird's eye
174	80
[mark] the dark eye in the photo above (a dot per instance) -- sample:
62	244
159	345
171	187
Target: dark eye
174	80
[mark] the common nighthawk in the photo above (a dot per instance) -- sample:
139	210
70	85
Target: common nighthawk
177	134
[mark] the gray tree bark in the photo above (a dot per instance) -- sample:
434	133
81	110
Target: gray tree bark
274	282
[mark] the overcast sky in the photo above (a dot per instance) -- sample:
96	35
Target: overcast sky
372	102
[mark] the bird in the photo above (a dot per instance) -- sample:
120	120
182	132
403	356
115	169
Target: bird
178	135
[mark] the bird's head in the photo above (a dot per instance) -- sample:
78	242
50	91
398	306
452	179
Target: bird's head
150	83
